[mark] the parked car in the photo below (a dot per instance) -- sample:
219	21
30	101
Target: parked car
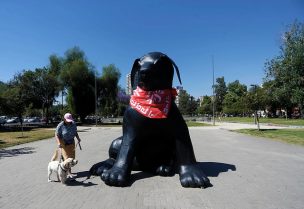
3	119
13	120
25	120
34	120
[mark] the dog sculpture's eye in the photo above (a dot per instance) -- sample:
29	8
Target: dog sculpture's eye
144	75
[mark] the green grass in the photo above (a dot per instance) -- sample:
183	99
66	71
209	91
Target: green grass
11	138
194	124
292	136
278	121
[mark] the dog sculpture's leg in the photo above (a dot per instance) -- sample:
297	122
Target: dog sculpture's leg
115	147
119	174
99	168
191	175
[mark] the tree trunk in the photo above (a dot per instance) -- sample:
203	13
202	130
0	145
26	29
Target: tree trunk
258	122
286	115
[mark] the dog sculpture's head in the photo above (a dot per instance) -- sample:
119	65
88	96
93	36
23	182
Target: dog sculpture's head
153	71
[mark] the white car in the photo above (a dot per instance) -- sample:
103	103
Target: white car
34	119
13	120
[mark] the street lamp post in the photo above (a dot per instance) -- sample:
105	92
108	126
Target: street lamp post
95	101
213	104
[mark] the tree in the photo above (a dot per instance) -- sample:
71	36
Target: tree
55	67
78	77
256	98
256	101
48	88
220	91
187	103
56	64
192	106
14	103
108	94
287	70
36	89
14	99
3	88
205	106
277	98
234	100
183	98
39	88
123	101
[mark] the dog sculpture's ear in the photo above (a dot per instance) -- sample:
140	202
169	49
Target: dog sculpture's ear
175	66
176	69
134	74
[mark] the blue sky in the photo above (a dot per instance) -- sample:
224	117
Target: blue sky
241	35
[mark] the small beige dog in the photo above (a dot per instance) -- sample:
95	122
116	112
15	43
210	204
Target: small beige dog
61	169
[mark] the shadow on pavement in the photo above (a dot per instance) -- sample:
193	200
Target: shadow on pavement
79	183
15	152
213	169
83	183
138	176
82	174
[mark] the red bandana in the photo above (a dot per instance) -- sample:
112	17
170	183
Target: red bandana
152	104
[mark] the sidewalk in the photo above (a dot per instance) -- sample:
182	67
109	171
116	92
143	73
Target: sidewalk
235	126
246	172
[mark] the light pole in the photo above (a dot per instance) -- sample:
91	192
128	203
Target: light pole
95	101
213	104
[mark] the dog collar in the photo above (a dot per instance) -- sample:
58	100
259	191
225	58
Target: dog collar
62	168
152	104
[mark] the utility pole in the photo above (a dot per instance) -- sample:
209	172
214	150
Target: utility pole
95	101
213	104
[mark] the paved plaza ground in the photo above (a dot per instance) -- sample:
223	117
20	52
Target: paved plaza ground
246	172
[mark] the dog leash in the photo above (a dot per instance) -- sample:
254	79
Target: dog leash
60	157
60	154
79	145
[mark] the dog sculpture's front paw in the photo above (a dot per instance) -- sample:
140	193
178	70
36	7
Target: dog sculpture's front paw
99	168
115	177
193	176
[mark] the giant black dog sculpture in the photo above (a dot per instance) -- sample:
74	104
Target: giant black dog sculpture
160	145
